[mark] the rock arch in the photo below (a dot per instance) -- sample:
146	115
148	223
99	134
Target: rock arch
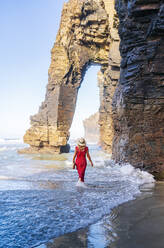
87	34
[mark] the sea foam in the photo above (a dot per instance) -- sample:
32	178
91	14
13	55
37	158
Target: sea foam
11	141
35	188
3	148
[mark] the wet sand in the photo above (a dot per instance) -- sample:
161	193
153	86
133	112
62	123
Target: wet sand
135	224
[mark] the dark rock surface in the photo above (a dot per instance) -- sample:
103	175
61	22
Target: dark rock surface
131	115
138	104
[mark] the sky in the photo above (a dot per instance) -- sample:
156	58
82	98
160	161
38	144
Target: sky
28	32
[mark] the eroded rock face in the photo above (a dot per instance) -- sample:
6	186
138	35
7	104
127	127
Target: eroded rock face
91	128
138	104
108	80
88	32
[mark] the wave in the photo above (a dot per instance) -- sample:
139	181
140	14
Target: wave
126	172
3	148
108	185
6	178
136	175
11	141
10	147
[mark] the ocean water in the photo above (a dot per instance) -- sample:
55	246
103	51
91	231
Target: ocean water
39	199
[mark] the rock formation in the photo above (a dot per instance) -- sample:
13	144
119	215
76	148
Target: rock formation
91	128
131	112
138	104
87	35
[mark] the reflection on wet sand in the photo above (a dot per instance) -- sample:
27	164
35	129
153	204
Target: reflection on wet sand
40	200
135	224
98	235
77	239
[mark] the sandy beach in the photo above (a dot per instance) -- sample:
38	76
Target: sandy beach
135	224
82	124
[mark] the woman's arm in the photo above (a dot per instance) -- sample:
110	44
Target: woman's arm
88	156
74	156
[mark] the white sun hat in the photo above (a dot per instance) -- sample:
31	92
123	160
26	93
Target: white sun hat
81	142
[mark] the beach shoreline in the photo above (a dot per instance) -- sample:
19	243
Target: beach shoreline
135	224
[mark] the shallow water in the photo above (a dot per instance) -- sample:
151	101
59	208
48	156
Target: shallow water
39	198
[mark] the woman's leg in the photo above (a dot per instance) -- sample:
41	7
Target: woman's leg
81	172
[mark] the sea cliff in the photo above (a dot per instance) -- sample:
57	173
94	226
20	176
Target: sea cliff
131	114
138	103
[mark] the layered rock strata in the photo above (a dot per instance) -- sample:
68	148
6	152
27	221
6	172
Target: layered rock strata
108	79
91	128
138	104
87	33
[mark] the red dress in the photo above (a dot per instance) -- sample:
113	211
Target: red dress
81	162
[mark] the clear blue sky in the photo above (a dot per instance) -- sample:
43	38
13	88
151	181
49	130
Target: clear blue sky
28	31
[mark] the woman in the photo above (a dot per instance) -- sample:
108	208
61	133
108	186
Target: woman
79	158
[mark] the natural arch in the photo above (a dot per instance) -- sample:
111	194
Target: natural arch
87	106
87	34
